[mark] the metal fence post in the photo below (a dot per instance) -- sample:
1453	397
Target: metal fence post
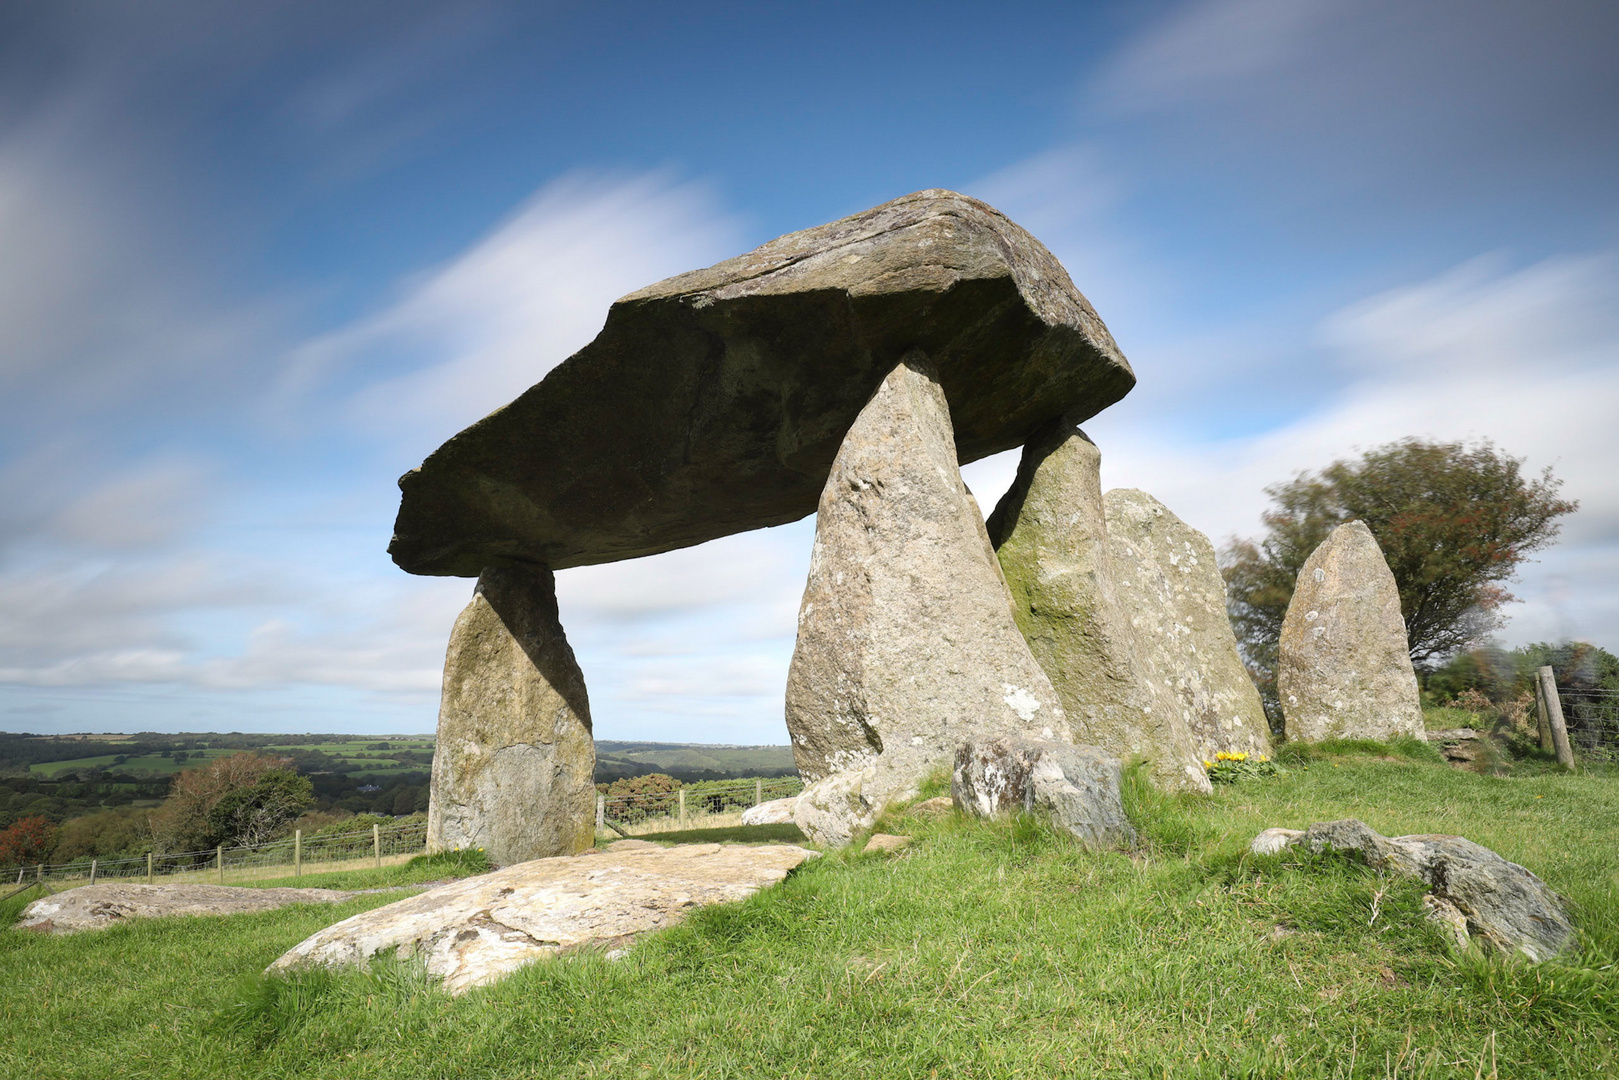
219	858
682	808
148	868
1554	718
376	844
297	853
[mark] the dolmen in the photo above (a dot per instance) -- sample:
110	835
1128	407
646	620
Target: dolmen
848	370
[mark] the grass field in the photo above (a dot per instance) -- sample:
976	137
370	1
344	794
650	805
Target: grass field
353	754
984	950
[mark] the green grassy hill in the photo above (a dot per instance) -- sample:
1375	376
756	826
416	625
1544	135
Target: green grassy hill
984	950
691	761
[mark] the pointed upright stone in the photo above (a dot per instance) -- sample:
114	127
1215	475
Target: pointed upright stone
906	640
513	767
1343	663
1174	596
1050	536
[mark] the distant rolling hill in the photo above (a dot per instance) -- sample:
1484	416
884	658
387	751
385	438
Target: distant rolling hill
687	762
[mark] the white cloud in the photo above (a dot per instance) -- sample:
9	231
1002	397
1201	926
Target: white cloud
475	333
1207	46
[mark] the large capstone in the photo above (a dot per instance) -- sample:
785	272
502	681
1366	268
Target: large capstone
715	402
513	766
906	641
1343	663
1174	597
1050	535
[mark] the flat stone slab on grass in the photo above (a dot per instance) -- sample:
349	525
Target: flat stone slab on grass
714	402
92	907
475	931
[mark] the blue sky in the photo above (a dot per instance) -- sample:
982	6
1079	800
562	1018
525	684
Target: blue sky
258	260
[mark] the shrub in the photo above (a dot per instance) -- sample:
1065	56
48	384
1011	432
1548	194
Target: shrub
28	840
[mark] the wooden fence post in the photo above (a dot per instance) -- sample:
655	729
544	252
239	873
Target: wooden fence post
93	863
376	844
1554	718
297	853
682	808
601	811
1542	724
219	859
758	791
148	868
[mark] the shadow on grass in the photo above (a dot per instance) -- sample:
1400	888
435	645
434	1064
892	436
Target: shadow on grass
787	833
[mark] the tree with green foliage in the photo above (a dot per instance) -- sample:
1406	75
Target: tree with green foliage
1454	520
242	798
253	815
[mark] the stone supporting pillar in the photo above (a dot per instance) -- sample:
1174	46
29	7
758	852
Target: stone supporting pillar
906	641
1050	535
513	767
1174	598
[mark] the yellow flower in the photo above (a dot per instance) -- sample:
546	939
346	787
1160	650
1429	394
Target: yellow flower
1210	765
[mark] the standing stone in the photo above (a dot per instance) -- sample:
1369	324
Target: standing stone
1174	596
512	771
1343	664
1050	536
906	640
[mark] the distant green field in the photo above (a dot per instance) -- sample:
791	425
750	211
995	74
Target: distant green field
351	754
149	762
615	758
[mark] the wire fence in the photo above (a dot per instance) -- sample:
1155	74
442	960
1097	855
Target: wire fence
375	846
1592	719
707	804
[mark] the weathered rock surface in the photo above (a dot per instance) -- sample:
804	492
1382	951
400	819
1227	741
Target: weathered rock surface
514	764
1173	595
1075	788
91	907
472	932
770	812
715	402
1343	663
885	842
1500	901
937	807
906	641
1050	536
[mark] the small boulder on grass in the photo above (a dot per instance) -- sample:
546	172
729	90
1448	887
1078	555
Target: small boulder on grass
1473	891
937	807
882	842
1074	788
